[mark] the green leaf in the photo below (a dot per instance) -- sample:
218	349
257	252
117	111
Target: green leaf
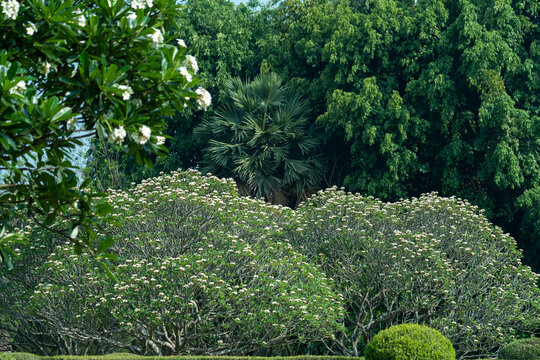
9	263
108	271
62	114
78	249
12	72
104	244
49	219
103	209
109	256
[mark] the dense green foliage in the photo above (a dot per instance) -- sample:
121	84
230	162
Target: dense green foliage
523	349
261	138
408	342
413	96
76	69
405	97
428	95
225	40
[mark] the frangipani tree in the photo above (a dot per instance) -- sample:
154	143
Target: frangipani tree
76	69
429	260
203	271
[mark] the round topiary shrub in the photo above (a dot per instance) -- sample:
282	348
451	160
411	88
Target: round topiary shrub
523	349
410	341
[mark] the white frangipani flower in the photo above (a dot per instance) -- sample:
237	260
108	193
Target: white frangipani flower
132	20
184	71
30	29
192	63
81	20
45	68
204	99
181	43
10	8
160	140
138	4
127	91
20	87
144	135
141	4
118	135
156	37
146	131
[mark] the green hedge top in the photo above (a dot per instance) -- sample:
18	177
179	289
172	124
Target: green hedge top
128	356
523	349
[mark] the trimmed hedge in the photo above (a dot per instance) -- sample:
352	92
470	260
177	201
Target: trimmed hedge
410	342
129	356
18	356
523	349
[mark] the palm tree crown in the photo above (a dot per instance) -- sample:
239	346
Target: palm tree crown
262	138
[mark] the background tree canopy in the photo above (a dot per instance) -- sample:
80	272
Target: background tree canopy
427	95
413	96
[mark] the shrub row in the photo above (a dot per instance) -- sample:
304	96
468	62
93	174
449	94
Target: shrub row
128	356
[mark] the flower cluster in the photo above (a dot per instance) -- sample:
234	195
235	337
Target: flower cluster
194	252
141	4
18	88
132	19
143	135
157	37
10	8
118	135
126	91
160	140
184	71
80	18
192	63
204	99
426	257
183	259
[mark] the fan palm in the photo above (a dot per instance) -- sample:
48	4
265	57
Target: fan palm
262	138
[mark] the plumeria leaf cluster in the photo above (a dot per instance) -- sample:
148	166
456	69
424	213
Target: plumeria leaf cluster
70	70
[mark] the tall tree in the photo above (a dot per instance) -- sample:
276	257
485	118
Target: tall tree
426	95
